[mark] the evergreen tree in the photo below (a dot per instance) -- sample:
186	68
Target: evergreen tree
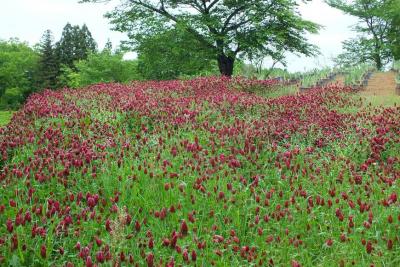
48	68
75	44
87	43
65	47
108	46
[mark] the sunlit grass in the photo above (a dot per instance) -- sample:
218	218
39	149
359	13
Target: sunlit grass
382	100
5	117
278	91
347	110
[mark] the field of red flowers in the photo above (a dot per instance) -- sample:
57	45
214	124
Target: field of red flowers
199	173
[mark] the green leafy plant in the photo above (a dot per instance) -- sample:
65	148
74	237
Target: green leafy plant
356	75
99	68
311	78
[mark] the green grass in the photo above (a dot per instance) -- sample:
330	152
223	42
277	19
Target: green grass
281	91
140	163
5	117
388	100
275	91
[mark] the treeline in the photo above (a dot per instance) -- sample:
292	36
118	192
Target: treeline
25	69
377	38
72	61
75	61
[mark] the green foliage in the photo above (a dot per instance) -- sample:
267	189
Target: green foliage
227	29
12	98
248	70
392	15
280	73
361	51
5	117
48	68
396	67
18	63
311	78
172	54
98	68
76	43
355	75
372	43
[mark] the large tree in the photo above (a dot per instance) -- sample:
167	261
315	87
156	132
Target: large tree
226	28
363	50
372	43
76	43
392	15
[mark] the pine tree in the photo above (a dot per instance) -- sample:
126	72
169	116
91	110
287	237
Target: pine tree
108	47
75	44
48	68
88	43
65	47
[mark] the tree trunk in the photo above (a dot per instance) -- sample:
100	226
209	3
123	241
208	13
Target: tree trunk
225	65
377	54
378	62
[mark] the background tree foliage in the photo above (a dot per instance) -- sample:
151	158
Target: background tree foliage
227	29
48	67
362	50
76	43
18	65
392	15
171	54
376	40
72	61
99	68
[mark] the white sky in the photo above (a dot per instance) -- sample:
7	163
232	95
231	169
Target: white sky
28	19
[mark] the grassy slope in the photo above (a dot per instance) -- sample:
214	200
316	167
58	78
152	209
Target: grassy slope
274	204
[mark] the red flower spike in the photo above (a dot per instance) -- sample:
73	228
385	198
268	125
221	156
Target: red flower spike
184	228
43	251
150	260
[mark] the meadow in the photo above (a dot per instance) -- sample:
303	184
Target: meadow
202	172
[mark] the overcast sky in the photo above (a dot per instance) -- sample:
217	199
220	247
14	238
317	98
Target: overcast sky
28	19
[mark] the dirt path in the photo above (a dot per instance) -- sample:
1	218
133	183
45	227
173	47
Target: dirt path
381	83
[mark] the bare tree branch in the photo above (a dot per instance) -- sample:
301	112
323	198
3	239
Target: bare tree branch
231	16
211	5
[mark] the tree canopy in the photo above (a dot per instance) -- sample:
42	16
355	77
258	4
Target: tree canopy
392	15
171	54
375	30
228	29
98	68
18	63
76	43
